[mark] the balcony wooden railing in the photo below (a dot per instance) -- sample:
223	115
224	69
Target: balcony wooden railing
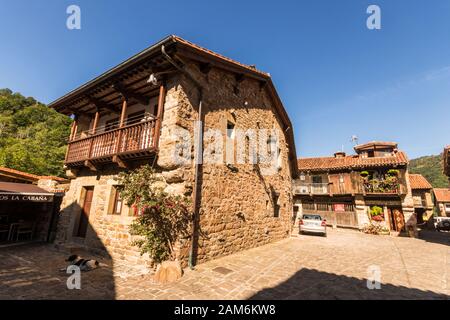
138	138
381	186
311	188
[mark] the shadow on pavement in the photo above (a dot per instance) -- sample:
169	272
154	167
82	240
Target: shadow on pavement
314	284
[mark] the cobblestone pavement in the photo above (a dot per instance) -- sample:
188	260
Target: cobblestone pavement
303	267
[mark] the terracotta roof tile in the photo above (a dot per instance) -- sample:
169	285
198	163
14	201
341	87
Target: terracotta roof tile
442	195
350	162
27	175
210	52
19	173
419	182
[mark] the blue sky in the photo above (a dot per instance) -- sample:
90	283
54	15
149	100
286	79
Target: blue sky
335	77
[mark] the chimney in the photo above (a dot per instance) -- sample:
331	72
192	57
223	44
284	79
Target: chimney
339	154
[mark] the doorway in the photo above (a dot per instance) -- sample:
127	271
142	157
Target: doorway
85	211
396	219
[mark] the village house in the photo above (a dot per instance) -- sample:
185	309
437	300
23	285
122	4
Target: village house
29	205
422	193
351	190
442	195
442	201
139	113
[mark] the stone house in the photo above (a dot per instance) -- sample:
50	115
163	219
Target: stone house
163	107
422	193
345	189
442	201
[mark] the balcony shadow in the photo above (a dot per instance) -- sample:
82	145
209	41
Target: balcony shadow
34	271
310	284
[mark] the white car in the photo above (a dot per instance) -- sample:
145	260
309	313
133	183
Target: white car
313	223
442	223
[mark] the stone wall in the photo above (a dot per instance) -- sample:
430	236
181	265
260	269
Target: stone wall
237	209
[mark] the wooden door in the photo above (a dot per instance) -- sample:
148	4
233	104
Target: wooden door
84	218
397	220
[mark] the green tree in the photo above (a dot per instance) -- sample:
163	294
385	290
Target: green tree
33	137
431	167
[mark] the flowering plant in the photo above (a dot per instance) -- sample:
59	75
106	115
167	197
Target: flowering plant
162	219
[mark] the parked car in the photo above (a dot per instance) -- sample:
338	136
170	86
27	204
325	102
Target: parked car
442	223
313	223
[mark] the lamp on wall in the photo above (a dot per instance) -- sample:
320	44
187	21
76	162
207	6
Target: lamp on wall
152	79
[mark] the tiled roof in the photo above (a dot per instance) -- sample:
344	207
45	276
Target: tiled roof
53	178
442	195
28	176
419	182
217	55
350	162
19	173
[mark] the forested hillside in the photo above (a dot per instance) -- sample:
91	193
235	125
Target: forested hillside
32	136
431	168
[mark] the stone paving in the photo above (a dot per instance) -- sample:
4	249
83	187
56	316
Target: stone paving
303	267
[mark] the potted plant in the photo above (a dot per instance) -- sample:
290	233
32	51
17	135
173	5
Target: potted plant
376	213
364	174
393	173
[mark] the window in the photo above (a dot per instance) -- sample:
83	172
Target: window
276	205
111	124
230	130
116	202
302	177
317	179
135	117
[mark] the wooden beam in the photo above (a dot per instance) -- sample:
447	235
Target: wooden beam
90	165
119	162
102	105
205	67
72	129
124	112
94	126
127	94
161	100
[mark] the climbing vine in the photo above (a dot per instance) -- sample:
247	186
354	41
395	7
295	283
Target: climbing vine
161	218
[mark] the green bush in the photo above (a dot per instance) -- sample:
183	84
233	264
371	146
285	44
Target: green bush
162	219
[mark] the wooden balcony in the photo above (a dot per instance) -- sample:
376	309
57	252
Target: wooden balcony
122	144
311	188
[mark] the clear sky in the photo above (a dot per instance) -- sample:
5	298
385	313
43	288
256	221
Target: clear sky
336	77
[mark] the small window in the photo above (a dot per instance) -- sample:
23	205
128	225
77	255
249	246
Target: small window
230	130
276	205
317	179
116	202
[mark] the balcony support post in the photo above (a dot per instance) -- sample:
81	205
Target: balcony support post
96	117
115	158
161	100
91	143
72	130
